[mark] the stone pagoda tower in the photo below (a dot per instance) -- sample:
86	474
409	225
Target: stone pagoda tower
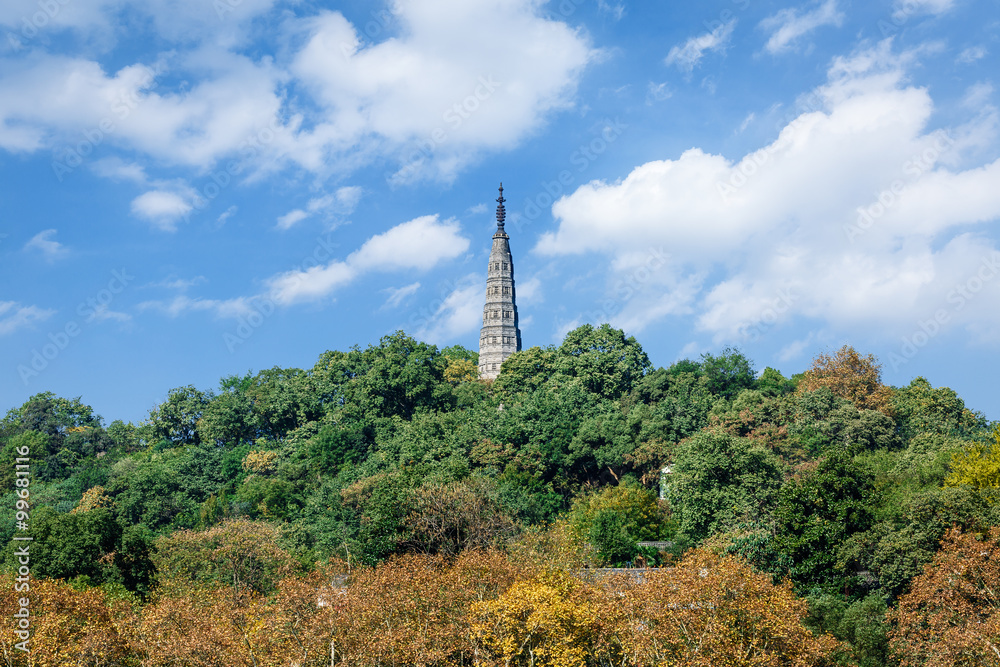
499	337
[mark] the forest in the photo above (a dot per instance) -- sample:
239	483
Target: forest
387	507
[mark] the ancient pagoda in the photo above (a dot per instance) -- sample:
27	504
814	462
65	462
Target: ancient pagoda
500	336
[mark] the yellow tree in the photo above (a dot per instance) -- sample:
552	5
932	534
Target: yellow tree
712	611
978	465
68	627
852	376
549	621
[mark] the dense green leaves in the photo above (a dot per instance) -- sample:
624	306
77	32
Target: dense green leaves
830	478
719	481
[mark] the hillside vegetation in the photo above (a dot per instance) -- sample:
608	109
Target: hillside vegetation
387	507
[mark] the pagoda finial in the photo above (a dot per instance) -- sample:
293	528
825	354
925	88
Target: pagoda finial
501	213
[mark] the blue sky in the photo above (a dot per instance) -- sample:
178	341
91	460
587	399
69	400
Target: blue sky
194	188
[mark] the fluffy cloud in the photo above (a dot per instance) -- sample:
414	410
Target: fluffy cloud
45	243
689	54
418	244
856	214
14	316
473	77
161	208
789	24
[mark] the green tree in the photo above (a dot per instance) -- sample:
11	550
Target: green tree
817	512
719	481
615	518
607	362
526	371
176	419
729	373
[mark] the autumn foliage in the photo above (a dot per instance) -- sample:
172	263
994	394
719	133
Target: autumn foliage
849	375
481	608
951	616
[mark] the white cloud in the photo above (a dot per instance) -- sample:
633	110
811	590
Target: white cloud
657	92
904	9
787	217
460	313
794	350
288	220
529	292
616	9
688	55
117	169
162	208
473	77
972	54
789	24
45	243
341	202
225	215
14	316
102	313
418	244
182	304
398	295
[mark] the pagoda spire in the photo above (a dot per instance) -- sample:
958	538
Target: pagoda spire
500	336
501	212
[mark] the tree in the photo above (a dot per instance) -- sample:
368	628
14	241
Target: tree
978	466
73	545
817	512
176	419
951	615
608	363
450	518
852	376
711	610
67	626
719	481
526	371
242	555
920	408
772	383
615	518
549	621
729	373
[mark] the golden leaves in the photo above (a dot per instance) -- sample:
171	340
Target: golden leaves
852	376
